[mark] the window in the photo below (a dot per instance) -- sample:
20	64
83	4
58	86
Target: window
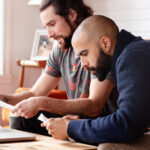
1	34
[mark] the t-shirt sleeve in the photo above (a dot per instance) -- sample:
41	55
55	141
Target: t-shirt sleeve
53	63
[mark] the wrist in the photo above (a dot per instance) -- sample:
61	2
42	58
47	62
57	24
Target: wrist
42	103
67	121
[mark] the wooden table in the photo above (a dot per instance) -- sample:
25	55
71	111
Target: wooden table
46	143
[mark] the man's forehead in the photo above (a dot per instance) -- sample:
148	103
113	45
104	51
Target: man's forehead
79	37
48	15
78	42
48	12
80	45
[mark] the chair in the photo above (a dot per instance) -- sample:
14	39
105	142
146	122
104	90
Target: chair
30	64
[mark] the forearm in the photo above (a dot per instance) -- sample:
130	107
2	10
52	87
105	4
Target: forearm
112	128
86	107
130	120
17	97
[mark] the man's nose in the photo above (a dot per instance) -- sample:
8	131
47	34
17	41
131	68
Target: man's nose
84	62
50	33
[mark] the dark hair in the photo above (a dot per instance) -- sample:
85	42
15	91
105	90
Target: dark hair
62	8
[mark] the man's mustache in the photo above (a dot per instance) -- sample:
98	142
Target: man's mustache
57	37
91	68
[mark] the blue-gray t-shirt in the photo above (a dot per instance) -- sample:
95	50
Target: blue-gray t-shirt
66	64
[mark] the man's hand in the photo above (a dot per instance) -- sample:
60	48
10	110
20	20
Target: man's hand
26	108
57	127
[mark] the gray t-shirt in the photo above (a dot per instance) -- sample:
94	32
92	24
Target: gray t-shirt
66	64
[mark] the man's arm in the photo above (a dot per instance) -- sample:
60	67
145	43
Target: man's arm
42	87
90	107
131	119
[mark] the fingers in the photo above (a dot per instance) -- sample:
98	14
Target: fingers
72	117
18	112
57	127
14	114
48	125
16	109
43	124
20	107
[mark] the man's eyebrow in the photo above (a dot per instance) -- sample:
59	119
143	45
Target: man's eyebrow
49	22
83	51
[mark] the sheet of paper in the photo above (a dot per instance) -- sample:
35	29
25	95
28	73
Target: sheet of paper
42	118
5	105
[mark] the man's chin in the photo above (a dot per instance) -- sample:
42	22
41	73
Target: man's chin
93	72
99	77
61	45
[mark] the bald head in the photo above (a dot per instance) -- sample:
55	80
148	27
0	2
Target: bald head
94	27
94	41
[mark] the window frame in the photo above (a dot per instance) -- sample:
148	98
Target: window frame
6	76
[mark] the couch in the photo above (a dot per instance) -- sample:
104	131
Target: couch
141	144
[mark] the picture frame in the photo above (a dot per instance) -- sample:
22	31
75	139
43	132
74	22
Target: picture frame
42	45
34	2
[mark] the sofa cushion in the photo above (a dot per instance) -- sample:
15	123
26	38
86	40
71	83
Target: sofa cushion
141	144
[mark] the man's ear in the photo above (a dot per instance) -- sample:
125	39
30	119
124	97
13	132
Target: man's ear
105	43
72	15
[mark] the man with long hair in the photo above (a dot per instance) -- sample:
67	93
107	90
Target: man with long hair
87	96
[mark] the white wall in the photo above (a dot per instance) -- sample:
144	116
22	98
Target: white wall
1	34
23	21
132	15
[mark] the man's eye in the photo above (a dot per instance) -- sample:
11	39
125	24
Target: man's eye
52	24
84	54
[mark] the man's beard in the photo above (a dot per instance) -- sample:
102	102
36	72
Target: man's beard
102	66
67	40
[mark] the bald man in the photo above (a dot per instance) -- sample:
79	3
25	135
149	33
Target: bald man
103	48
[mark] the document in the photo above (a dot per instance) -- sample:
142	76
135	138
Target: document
5	105
42	118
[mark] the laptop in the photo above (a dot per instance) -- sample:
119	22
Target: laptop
11	135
